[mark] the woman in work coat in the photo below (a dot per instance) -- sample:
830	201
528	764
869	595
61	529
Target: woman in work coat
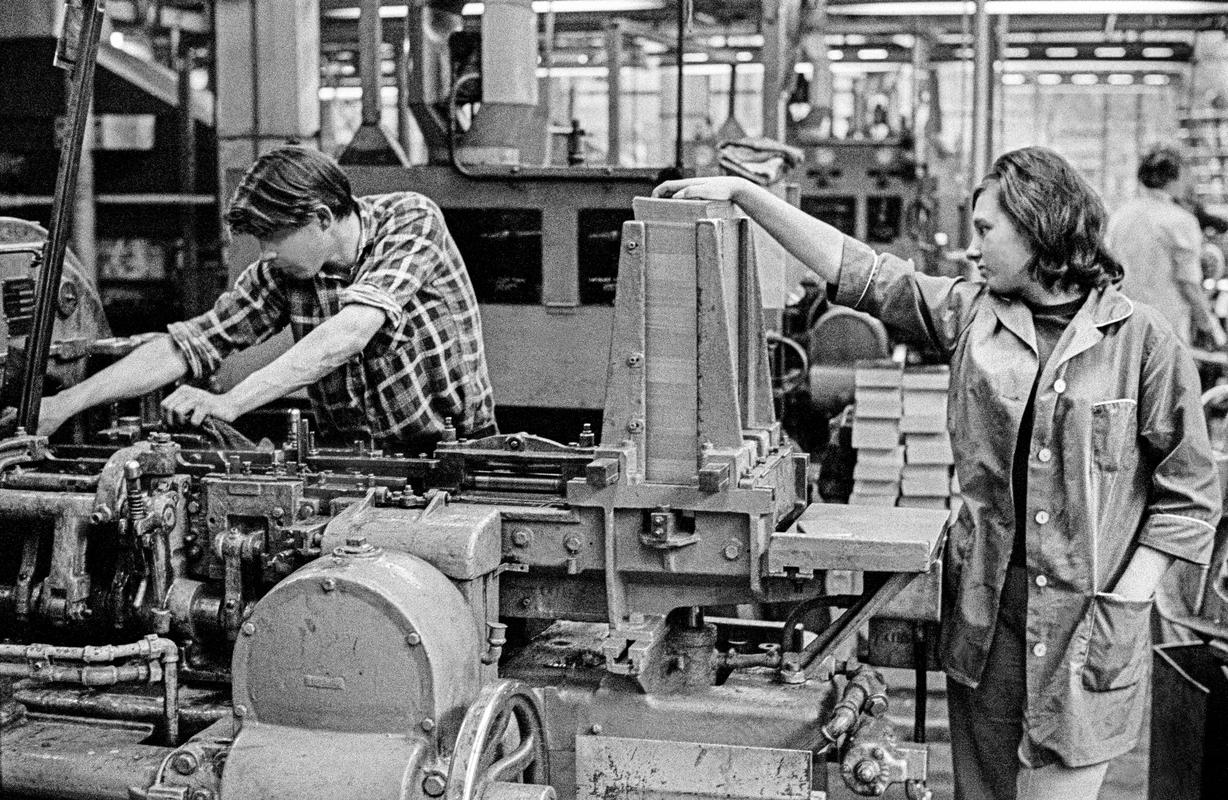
1082	455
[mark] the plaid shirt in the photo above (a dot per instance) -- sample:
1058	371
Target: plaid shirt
424	364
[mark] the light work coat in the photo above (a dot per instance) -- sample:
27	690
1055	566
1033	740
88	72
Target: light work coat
1119	458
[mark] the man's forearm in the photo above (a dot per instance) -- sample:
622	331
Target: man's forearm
813	242
1200	309
151	366
311	358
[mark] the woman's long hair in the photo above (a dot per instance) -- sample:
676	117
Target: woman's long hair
1059	213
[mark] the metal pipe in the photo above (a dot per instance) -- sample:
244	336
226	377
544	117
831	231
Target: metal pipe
982	68
682	6
38	343
115	706
614	62
866	692
370	37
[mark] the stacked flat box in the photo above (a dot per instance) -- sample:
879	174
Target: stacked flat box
877	407
926	477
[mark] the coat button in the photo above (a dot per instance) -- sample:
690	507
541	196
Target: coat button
1044	455
1039	650
1042	517
1042	581
1059	385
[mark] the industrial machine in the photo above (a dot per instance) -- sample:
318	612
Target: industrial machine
508	618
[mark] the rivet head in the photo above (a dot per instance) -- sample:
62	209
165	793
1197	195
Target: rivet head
184	763
428	724
632	245
328	584
732	551
248	629
413	640
522	537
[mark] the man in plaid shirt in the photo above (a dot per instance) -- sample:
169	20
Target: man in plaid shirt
387	336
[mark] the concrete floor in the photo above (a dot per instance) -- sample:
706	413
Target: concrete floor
1126	779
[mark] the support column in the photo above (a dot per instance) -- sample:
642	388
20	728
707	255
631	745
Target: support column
982	69
614	62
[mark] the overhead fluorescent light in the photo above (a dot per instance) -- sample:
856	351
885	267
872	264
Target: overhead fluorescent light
1084	79
1157	52
1012	79
744	40
1119	79
854	39
1110	52
716	41
1025	8
1048	79
835	55
904	40
1155	79
1062	52
1017	52
539	6
745	56
694	58
873	54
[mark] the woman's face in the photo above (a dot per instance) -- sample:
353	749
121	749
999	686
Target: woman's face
998	249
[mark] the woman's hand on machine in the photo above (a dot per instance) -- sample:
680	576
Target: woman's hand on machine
715	188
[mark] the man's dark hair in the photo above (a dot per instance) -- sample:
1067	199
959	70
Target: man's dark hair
285	189
1159	167
1059	214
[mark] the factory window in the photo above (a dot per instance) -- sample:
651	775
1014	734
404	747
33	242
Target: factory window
502	248
599	233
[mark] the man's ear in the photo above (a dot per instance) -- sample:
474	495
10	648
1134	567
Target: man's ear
325	216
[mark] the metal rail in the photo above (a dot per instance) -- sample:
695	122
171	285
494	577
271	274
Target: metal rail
38	343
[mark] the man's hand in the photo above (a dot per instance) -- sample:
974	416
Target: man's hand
717	188
52	413
187	404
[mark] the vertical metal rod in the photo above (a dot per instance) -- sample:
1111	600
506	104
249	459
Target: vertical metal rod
920	657
614	61
401	57
190	279
370	37
38	343
982	68
682	4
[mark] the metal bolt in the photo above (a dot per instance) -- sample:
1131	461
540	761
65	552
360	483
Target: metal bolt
428	724
240	710
304	510
632	245
277	513
248	629
866	771
572	543
635	425
526	602
522	537
413	640
434	784
635	359
328	584
102	514
184	763
595	729
733	550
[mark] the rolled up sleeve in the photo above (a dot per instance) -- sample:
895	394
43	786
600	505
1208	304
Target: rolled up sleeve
249	313
915	306
1184	501
409	251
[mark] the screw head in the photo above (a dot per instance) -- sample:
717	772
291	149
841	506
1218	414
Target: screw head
328	584
185	763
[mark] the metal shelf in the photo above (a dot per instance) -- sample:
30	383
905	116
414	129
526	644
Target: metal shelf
146	199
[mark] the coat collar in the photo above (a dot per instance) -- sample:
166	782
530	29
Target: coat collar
1102	307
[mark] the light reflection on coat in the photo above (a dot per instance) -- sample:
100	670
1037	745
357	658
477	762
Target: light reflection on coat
1119	457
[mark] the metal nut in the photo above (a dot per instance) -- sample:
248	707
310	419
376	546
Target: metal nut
434	784
328	584
428	724
184	762
732	551
572	543
522	537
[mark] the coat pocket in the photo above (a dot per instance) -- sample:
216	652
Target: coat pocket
1113	430
1120	642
